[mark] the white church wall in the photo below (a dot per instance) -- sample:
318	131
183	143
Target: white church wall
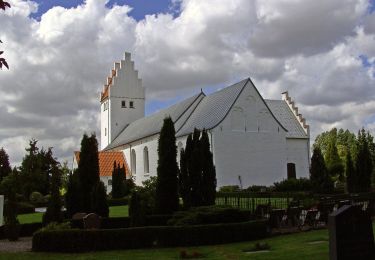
249	143
298	153
107	180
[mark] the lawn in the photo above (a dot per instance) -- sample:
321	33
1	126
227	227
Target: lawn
308	245
115	211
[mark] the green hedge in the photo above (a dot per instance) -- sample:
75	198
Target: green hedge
26	230
75	240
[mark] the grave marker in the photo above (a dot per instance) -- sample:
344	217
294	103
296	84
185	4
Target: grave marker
350	234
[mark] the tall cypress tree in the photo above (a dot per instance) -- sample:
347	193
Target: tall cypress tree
167	170
183	179
5	168
53	213
99	203
208	183
88	169
116	182
73	201
363	162
319	176
195	171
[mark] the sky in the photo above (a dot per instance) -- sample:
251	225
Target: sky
60	53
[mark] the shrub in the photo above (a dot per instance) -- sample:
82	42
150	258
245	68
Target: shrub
167	236
209	215
56	226
301	184
229	188
36	197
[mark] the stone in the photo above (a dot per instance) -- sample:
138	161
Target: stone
79	215
1	209
91	221
350	234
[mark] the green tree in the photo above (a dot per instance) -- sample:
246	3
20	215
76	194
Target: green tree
333	161
88	169
119	186
320	180
31	173
99	200
5	168
9	187
363	163
195	170
350	173
208	182
73	195
183	180
53	212
167	170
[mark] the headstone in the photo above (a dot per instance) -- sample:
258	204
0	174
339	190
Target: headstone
91	221
79	215
350	234
1	209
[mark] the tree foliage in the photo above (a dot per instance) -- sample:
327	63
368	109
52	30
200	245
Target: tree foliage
53	212
350	173
5	168
364	162
167	170
197	171
119	183
320	179
3	6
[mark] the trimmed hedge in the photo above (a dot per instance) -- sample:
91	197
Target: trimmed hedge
26	230
124	222
75	240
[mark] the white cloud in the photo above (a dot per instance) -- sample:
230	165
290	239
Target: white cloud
59	64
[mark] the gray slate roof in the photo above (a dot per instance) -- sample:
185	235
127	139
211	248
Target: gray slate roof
207	112
282	112
212	109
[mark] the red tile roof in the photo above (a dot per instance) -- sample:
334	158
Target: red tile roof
106	160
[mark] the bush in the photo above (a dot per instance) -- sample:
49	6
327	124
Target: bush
229	188
36	197
209	215
167	236
301	184
56	226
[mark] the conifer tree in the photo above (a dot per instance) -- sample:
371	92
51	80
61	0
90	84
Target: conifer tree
351	176
119	184
73	195
99	200
53	212
363	162
88	169
5	168
319	177
195	171
183	179
167	170
208	183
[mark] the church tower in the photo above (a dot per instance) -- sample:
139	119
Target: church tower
122	100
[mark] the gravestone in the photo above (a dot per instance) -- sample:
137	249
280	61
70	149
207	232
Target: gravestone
350	234
79	216
1	209
91	221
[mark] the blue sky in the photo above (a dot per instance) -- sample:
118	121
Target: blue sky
140	7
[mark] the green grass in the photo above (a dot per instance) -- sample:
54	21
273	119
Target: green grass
115	211
296	246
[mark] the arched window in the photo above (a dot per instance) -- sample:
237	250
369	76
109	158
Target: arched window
133	160
146	166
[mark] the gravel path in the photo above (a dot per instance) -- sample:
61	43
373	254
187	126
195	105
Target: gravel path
22	245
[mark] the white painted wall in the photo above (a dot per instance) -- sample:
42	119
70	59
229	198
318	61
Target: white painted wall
105	180
298	153
126	86
249	143
104	124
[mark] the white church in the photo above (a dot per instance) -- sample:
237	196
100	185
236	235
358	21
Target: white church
254	141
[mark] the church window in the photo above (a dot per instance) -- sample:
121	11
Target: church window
123	104
131	104
133	160
146	160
